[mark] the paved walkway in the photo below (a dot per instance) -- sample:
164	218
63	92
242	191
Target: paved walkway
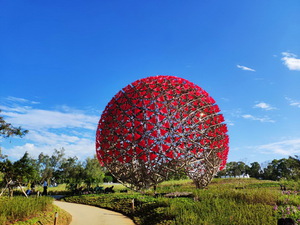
90	215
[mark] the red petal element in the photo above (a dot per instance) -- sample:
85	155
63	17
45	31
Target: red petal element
142	143
179	130
140	116
137	136
143	93
186	86
152	119
170	92
130	152
164	110
160	105
129	137
174	103
143	157
146	102
149	113
168	140
150	142
110	153
137	111
161	117
170	97
120	160
128	124
182	145
125	145
155	94
163	132
170	155
179	154
155	148
165	147
152	106
149	126
118	145
137	123
194	151
178	88
127	159
152	156
138	150
161	99
154	134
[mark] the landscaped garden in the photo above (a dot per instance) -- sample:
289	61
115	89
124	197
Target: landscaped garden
225	201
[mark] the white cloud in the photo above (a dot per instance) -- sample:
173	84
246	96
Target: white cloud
290	60
20	100
64	127
261	119
264	106
286	148
46	119
245	68
293	102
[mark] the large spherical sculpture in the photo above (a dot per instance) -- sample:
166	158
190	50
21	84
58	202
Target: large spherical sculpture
160	125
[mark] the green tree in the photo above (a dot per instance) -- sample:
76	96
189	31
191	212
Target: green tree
254	170
73	172
7	130
20	172
93	172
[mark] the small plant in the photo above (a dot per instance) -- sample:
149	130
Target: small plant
288	206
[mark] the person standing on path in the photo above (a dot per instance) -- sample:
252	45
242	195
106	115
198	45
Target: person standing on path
45	186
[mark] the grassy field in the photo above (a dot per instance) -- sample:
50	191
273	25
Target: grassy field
225	201
29	211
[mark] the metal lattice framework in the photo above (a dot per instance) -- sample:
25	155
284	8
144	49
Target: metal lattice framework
158	125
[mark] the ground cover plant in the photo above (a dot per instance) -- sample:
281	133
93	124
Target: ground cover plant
28	211
225	201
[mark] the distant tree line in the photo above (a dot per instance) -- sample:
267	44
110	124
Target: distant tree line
288	168
55	169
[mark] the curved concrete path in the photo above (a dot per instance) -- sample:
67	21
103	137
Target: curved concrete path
90	215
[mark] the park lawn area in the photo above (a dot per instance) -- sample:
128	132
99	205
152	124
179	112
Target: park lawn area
224	201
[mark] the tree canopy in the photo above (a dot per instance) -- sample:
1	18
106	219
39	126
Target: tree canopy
8	130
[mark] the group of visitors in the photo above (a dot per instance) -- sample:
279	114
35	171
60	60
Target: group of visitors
32	189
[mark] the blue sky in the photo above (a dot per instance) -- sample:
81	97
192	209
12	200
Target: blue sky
62	62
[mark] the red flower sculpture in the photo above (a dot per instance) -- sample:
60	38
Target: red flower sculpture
160	125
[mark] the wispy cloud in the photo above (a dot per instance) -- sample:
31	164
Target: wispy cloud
260	119
293	102
245	68
290	60
49	129
264	106
285	148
